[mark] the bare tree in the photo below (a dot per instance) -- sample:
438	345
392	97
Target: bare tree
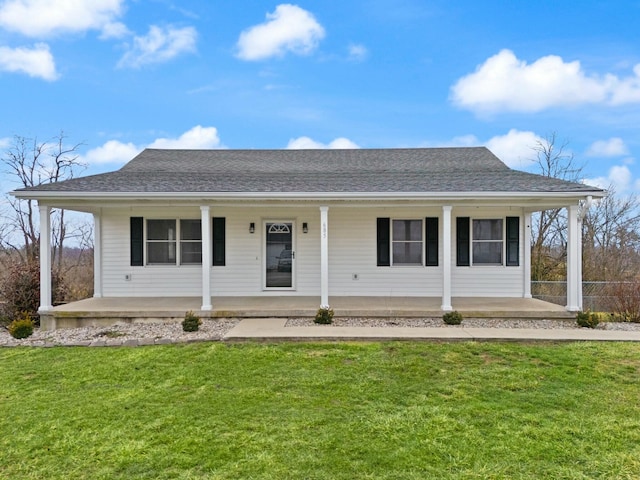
610	229
611	239
31	163
549	227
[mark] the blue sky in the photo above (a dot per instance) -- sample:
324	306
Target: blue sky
122	75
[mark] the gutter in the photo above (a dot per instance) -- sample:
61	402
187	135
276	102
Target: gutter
308	196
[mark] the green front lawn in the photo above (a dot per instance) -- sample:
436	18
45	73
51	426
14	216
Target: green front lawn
322	411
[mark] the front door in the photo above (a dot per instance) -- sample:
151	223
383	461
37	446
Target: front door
280	255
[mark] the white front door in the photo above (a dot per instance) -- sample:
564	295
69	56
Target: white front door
279	255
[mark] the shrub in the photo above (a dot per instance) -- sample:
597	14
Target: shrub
625	300
20	289
452	318
21	327
587	319
191	322
324	316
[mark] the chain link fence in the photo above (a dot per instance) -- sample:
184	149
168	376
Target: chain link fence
594	294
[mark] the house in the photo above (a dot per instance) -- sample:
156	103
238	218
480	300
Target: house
421	222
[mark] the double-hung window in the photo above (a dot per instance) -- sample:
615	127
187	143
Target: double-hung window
163	246
161	242
494	241
407	247
487	241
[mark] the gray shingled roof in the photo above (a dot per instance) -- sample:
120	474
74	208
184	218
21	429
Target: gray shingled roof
416	170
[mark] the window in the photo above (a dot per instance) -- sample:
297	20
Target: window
163	246
400	242
161	242
190	242
407	242
487	242
168	240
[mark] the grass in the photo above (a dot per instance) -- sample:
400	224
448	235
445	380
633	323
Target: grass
322	411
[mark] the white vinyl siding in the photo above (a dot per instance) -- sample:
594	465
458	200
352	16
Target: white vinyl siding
352	256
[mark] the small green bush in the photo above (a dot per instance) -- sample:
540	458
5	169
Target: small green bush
324	316
452	318
22	326
191	322
587	319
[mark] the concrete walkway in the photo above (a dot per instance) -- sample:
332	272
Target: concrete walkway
273	329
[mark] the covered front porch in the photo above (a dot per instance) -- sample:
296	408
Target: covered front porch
108	311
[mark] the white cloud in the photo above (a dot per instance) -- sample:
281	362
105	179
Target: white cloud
197	138
288	29
505	83
42	18
357	52
159	45
36	62
111	152
514	148
306	143
115	151
114	30
628	89
614	147
619	177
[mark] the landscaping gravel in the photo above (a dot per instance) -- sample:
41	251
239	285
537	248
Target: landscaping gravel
466	323
123	334
138	334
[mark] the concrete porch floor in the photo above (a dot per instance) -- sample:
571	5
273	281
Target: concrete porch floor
107	311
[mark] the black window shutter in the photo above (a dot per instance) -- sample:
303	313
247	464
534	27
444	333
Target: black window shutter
137	241
384	242
513	241
431	241
219	236
462	241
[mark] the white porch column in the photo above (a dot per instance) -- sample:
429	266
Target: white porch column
207	252
580	304
97	254
574	282
526	245
324	256
446	259
45	258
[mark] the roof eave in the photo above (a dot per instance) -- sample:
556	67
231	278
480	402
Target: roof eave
172	196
